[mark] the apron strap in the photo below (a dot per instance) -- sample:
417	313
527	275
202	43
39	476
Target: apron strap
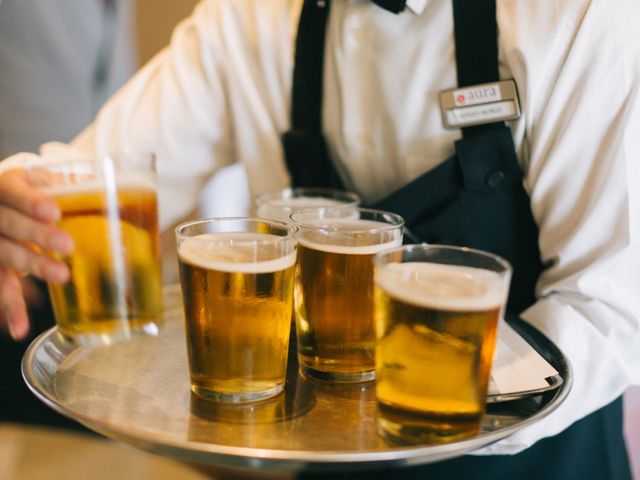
305	149
476	36
306	101
306	153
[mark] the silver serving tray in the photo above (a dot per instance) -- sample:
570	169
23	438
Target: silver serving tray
138	392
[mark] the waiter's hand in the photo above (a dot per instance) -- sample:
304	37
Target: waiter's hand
27	218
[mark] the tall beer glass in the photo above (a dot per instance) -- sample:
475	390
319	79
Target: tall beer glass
237	286
109	207
280	204
334	289
437	311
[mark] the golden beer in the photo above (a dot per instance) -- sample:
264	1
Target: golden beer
237	305
115	285
334	298
281	204
436	330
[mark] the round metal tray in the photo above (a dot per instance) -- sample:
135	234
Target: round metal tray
138	392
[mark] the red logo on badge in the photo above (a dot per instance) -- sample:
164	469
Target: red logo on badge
461	98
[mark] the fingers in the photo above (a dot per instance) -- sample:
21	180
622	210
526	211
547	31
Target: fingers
25	221
18	194
22	228
13	310
21	259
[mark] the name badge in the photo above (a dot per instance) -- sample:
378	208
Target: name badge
480	104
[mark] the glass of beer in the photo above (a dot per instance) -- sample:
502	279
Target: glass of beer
334	289
109	207
237	287
280	204
437	310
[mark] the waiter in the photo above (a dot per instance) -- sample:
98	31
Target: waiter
395	75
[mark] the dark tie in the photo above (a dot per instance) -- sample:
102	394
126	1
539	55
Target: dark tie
395	6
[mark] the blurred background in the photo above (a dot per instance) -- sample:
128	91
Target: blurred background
154	22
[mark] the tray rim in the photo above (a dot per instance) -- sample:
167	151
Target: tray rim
280	459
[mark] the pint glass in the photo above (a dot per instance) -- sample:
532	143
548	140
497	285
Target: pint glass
108	206
281	204
437	311
334	289
237	286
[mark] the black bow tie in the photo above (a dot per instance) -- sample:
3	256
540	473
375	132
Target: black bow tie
395	6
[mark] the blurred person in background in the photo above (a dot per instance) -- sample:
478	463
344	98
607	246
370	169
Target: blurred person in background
59	61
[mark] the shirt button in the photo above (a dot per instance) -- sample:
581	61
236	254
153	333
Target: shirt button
494	179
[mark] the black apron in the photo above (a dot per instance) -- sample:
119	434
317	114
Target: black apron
476	199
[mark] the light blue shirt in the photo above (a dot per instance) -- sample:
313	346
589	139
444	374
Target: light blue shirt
59	61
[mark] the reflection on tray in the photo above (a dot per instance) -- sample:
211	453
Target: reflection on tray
298	398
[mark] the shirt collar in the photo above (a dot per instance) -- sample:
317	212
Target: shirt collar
417	6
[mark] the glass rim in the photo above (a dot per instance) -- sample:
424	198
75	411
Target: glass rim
289	192
290	228
389	226
60	160
503	262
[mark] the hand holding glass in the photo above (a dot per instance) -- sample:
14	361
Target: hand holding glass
109	208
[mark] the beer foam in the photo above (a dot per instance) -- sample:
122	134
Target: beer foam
351	250
300	203
281	208
442	287
342	233
129	182
233	252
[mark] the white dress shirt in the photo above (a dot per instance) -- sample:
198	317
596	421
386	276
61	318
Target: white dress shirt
221	94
